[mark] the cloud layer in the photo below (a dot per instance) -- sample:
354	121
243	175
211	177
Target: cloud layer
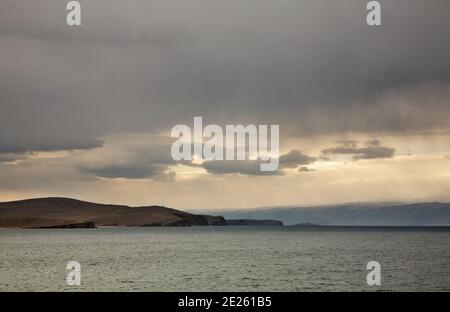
87	110
313	67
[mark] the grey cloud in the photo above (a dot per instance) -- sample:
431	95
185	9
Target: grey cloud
151	159
349	143
373	150
10	157
374	142
295	158
245	167
252	167
130	171
131	24
17	145
131	162
324	158
310	66
305	169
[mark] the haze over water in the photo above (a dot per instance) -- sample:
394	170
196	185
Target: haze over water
224	259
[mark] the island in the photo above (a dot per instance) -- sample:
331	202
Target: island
251	222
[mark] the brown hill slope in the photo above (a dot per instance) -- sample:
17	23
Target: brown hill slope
55	211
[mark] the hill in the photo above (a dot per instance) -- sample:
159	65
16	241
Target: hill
55	211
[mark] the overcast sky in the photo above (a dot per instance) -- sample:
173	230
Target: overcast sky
364	112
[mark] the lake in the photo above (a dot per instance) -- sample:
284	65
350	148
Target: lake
224	259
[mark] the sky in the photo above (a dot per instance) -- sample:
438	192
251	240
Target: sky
86	111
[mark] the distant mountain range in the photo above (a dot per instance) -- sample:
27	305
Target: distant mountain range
355	214
57	212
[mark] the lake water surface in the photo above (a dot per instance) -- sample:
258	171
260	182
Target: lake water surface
224	259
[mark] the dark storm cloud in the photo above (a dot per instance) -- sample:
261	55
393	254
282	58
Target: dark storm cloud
373	149
311	66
